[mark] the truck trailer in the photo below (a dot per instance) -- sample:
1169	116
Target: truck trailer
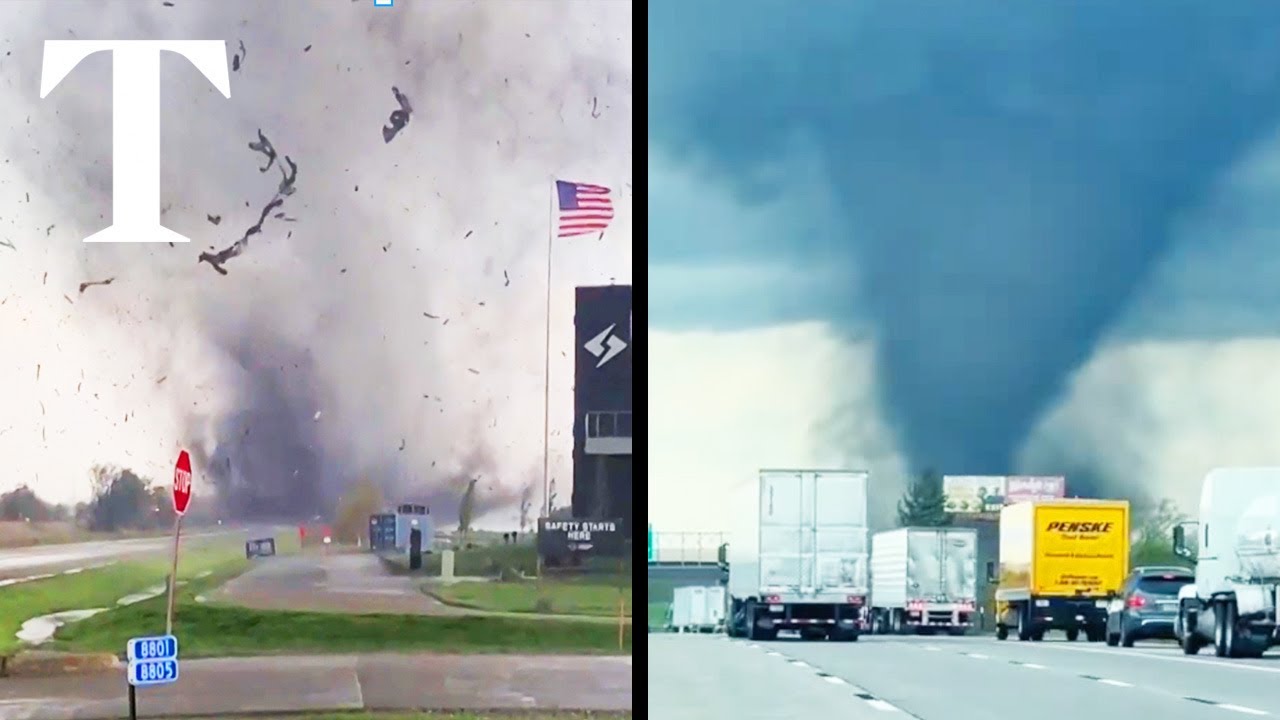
924	580
697	609
797	555
1231	606
1061	564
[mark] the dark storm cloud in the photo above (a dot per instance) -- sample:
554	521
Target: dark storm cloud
1007	173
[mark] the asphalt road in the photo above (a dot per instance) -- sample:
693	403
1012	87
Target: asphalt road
328	582
944	678
17	562
238	686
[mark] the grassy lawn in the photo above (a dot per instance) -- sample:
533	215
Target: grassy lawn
658	614
586	596
102	587
213	631
499	560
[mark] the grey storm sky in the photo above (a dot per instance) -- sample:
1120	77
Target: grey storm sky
1003	181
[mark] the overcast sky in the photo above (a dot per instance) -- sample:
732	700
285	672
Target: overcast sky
980	237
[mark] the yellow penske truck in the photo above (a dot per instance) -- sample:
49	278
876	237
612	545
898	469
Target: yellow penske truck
1061	563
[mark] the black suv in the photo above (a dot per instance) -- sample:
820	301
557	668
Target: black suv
1147	606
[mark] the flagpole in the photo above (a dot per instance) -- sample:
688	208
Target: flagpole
546	373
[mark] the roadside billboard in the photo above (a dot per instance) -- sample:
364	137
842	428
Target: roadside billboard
1024	488
974	494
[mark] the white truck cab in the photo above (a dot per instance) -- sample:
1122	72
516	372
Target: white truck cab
1232	604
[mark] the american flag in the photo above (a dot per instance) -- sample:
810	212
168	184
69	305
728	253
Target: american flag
584	209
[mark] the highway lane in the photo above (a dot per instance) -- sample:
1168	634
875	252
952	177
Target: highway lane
25	561
707	677
975	678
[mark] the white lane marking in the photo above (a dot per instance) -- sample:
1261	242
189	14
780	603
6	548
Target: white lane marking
881	705
978	656
1165	658
772	653
1242	709
753	646
835	680
1117	683
932	648
1034	666
800	664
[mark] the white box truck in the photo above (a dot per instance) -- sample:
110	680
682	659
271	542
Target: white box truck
924	580
1231	606
697	609
797	555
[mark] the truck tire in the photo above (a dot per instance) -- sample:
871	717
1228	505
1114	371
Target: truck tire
1024	622
1002	632
1073	634
1190	640
1224	629
1037	636
956	631
896	626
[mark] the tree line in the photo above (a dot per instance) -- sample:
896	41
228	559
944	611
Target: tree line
120	500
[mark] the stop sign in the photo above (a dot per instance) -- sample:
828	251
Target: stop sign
182	483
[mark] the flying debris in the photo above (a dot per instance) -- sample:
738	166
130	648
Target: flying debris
215	219
49	230
506	279
399	118
285	189
264	146
317	415
286	184
86	285
594	113
473	371
402	443
306	49
8	244
217	259
238	58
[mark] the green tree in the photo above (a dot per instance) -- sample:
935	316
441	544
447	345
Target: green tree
924	504
1153	539
121	500
22	503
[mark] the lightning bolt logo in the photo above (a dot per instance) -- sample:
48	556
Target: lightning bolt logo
605	346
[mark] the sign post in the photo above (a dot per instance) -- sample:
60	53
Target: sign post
181	499
152	661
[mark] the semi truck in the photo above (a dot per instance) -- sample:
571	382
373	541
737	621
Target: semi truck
924	580
1231	606
797	555
1061	564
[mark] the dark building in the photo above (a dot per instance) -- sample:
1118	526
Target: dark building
602	427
